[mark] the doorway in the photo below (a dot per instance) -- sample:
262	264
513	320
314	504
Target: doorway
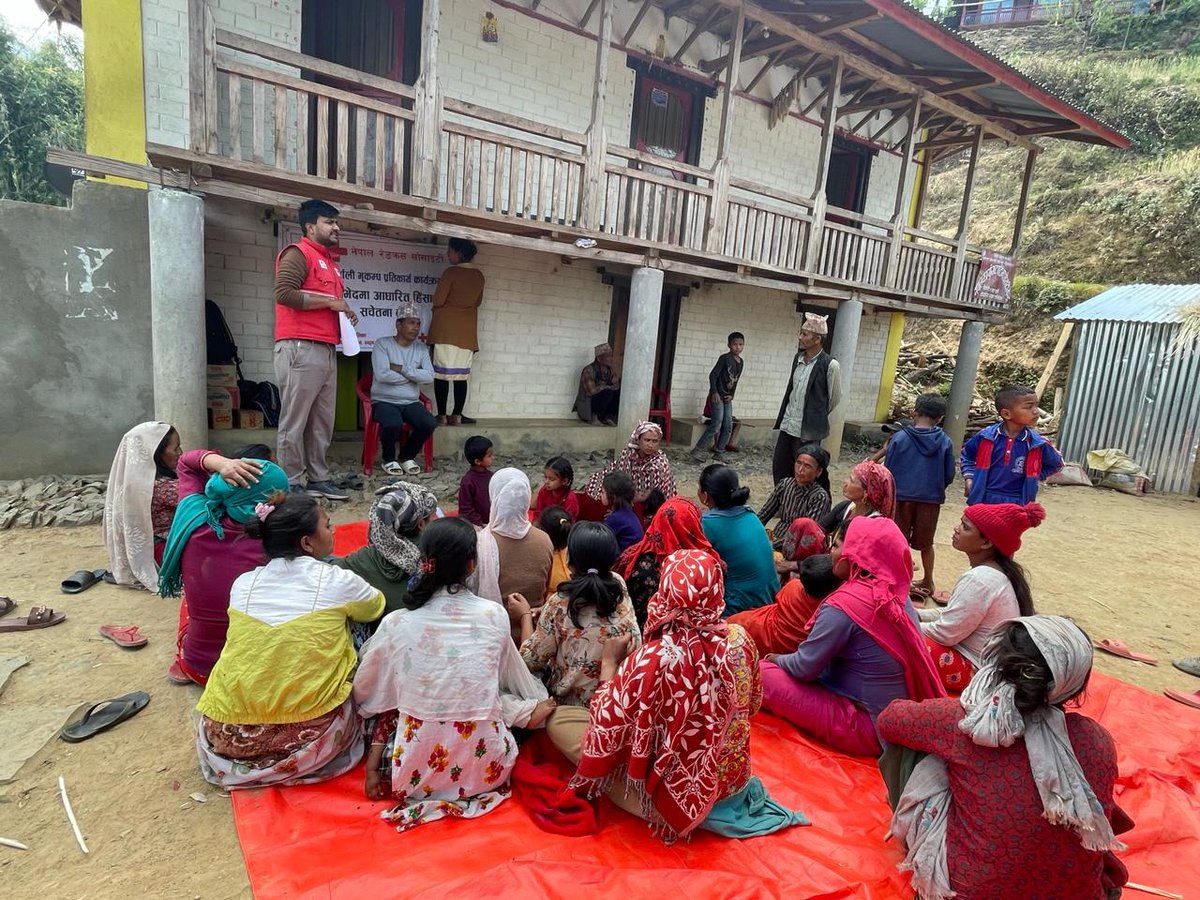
849	176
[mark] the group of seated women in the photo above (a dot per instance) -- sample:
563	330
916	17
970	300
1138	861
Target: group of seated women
434	650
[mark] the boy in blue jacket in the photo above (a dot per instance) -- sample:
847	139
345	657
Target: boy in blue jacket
1005	462
921	460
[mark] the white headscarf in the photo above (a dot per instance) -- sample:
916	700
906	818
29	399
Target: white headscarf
993	720
510	494
128	531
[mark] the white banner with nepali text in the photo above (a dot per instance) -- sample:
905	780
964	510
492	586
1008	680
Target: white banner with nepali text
381	274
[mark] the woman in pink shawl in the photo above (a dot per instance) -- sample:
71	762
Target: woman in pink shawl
864	648
642	460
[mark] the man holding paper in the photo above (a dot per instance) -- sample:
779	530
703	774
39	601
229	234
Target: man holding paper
309	306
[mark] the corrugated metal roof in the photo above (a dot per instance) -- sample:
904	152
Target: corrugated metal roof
1135	303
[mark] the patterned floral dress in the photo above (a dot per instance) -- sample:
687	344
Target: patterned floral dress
444	769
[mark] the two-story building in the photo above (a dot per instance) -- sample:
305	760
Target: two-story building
656	173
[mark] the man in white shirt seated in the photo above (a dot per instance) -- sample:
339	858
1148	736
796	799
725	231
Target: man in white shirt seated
401	365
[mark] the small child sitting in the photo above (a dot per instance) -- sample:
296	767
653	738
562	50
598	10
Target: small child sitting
474	503
921	460
616	493
557	480
782	626
556	522
1005	462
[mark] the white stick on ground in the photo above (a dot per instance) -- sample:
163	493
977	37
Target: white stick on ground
9	842
62	790
1145	888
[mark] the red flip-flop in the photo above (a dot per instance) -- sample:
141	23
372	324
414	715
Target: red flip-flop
126	636
1120	648
1192	700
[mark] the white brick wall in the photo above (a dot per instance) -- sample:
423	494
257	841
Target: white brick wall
769	321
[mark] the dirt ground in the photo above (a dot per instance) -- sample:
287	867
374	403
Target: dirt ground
1120	565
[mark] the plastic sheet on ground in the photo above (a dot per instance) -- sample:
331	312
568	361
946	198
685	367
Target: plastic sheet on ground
326	840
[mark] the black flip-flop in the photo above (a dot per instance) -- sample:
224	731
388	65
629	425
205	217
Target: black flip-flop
103	716
82	580
7	605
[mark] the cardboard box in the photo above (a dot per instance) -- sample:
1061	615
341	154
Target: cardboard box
220	419
225	398
248	418
222	376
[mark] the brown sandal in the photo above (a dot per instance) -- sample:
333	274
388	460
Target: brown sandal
39	617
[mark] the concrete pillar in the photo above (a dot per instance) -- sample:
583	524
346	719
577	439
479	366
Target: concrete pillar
641	344
962	388
843	348
176	221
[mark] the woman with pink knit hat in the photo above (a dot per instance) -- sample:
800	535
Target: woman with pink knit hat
994	590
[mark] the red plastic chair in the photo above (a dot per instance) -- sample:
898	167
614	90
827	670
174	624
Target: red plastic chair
662	410
371	428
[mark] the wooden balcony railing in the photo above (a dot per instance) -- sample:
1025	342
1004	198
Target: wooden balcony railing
290	113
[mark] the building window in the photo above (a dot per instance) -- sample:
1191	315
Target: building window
849	175
668	116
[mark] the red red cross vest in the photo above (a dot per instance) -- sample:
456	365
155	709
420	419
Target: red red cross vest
324	277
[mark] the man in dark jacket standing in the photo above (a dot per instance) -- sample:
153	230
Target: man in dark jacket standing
814	388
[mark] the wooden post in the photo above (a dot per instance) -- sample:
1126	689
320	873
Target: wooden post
813	257
1019	225
719	212
964	216
592	190
196	115
427	127
903	192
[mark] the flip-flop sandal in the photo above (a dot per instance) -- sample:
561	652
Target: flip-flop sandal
1189	664
126	636
1192	700
941	598
103	716
39	617
916	591
1120	648
7	605
81	581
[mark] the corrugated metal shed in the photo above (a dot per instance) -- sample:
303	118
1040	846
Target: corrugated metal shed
1158	303
1129	388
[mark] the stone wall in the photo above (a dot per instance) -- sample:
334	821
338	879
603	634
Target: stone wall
75	348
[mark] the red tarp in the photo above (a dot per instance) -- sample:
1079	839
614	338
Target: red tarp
326	840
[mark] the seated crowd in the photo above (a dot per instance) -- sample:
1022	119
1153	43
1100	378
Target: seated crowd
440	646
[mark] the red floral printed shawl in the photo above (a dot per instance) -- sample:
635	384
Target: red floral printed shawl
880	487
676	526
661	721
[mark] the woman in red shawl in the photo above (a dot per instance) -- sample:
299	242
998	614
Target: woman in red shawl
864	648
678	758
642	460
676	526
869	491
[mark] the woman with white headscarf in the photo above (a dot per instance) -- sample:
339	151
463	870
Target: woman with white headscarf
140	502
515	557
1016	796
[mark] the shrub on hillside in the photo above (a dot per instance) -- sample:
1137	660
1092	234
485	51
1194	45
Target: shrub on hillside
1034	296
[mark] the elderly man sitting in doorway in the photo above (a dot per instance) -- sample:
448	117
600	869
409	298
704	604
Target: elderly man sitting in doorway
599	389
401	366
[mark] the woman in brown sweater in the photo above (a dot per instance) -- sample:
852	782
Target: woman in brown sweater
454	330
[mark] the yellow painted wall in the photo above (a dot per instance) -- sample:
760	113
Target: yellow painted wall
891	356
114	94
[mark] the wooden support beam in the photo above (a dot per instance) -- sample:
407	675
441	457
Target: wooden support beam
1023	202
964	84
816	101
535	4
878	100
732	72
427	106
842	23
834	88
592	190
903	192
954	140
770	63
964	215
669	12
818	44
637	20
859	93
705	23
1064	338
197	128
587	16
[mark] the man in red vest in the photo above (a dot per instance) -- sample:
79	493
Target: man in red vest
308	298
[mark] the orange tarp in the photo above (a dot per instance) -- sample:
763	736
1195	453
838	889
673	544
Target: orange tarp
326	841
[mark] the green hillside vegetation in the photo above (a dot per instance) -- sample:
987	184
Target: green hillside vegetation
1096	214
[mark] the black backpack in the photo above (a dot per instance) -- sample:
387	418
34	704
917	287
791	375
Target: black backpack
222	350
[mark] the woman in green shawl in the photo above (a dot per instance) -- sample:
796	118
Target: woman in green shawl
206	550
